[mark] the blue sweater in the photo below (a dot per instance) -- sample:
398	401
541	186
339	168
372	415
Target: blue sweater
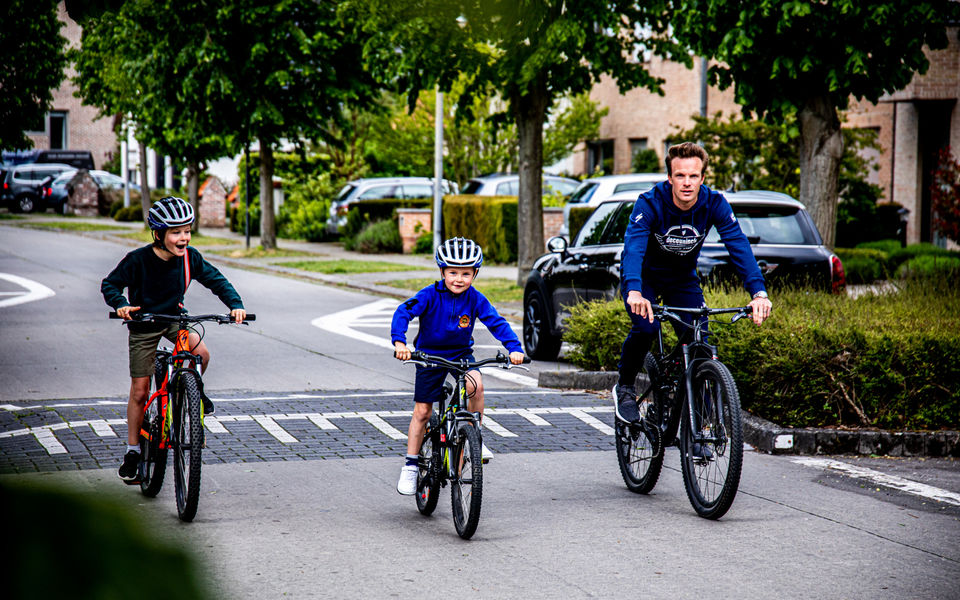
447	320
662	242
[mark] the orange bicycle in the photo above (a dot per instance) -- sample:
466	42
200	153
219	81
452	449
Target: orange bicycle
173	415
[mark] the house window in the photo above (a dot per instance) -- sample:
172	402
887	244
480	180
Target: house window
636	145
600	157
58	130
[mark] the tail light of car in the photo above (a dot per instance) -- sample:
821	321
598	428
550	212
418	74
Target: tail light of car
838	277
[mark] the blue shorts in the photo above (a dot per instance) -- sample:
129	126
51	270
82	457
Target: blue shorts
428	386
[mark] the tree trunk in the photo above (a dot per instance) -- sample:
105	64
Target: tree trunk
530	110
268	226
193	193
145	202
821	147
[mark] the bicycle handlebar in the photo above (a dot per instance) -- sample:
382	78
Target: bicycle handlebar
463	365
669	312
158	318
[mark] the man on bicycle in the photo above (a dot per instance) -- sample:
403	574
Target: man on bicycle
660	250
157	277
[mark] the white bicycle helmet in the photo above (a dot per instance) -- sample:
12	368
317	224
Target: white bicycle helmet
459	252
170	212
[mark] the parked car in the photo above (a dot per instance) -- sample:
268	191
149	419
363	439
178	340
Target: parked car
55	193
23	185
595	190
784	239
500	184
376	188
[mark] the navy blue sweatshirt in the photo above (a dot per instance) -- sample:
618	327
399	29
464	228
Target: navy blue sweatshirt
447	320
662	242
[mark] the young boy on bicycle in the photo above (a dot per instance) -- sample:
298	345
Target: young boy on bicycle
157	277
448	310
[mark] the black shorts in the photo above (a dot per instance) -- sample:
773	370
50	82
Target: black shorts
428	385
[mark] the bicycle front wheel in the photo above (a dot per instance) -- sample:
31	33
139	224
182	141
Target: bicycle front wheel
712	452
428	477
187	445
467	485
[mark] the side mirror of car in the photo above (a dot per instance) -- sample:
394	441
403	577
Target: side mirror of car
558	245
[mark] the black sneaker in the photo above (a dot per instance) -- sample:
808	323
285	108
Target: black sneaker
626	407
130	469
702	451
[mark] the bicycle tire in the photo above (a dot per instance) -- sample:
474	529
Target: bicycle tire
428	477
153	464
187	445
466	489
712	478
640	447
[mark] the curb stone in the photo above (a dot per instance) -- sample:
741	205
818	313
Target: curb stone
771	438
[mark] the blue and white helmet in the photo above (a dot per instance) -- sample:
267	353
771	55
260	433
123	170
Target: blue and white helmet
170	212
459	252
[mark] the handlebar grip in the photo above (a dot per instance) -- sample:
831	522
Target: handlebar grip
526	360
250	317
114	315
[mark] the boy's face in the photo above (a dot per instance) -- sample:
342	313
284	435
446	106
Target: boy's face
458	279
176	239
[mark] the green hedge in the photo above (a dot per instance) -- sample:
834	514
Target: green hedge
369	211
886	361
883	259
578	216
491	221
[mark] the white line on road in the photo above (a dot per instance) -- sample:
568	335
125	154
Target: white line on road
387	429
35	291
321	421
891	481
49	441
495	427
592	421
275	430
213	425
102	428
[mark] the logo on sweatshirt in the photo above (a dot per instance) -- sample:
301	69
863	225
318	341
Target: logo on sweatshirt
464	321
680	239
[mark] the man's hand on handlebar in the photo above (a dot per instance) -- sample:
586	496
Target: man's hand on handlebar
639	305
761	309
124	312
400	351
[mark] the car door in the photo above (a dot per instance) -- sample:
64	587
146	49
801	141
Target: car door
601	279
571	278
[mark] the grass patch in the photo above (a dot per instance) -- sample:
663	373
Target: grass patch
259	252
70	225
496	289
10	217
341	266
195	240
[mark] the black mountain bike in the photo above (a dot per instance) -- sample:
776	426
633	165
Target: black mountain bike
692	392
451	449
173	415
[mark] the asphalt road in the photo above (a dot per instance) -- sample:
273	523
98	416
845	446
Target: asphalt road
298	495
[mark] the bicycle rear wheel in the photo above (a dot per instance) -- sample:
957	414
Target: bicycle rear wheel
712	455
428	480
153	464
187	445
466	488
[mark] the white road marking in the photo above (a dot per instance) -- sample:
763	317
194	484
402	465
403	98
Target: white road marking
387	429
345	321
526	414
49	441
497	428
213	425
592	422
102	428
35	290
321	421
892	481
271	427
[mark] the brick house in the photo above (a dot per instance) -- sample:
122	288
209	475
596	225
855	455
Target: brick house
912	125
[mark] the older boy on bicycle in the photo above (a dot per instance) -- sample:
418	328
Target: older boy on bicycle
157	277
448	310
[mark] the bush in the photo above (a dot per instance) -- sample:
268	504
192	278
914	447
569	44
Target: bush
886	246
129	213
863	265
930	266
363	213
646	161
884	361
424	243
115	207
306	209
377	238
490	221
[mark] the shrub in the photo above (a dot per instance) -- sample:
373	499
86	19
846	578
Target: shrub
490	221
424	244
368	211
863	265
377	238
646	161
930	266
886	246
306	209
902	255
115	206
884	361
129	213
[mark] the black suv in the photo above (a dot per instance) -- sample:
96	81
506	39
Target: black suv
783	237
22	185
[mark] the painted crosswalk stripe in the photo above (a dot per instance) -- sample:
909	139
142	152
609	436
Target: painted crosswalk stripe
49	441
497	428
385	428
102	429
321	421
531	416
592	421
214	425
271	427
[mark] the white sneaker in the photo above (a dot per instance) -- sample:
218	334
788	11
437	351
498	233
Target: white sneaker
408	480
485	453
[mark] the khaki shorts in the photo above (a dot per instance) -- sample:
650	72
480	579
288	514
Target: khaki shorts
143	349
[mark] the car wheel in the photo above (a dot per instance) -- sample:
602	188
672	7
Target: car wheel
538	341
25	203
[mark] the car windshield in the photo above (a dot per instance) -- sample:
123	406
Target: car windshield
345	192
63	178
564	188
768	225
591	234
638	186
583	194
473	186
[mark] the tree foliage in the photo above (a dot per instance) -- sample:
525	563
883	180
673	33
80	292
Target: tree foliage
806	59
34	57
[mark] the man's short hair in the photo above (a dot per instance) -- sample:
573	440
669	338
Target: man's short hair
686	150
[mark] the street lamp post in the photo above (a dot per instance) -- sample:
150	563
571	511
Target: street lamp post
438	172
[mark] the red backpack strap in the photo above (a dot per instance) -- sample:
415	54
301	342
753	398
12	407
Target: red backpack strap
186	269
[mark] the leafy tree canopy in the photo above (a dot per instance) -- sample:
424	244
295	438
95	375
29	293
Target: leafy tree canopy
34	57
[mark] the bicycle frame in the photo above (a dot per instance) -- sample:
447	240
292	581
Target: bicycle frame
180	360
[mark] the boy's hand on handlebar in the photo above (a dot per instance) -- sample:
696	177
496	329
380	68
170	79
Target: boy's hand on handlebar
124	312
639	305
516	358
238	315
761	309
400	351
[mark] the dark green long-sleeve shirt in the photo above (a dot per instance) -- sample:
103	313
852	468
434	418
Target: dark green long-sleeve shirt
158	286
